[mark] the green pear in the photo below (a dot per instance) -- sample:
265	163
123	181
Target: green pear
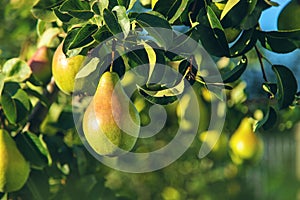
111	123
245	145
40	64
14	169
65	69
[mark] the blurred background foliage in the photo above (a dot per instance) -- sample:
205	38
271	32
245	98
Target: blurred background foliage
75	174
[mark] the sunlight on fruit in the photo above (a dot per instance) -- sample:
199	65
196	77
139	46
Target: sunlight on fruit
245	145
170	193
258	114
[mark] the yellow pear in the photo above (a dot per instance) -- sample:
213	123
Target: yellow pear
14	169
65	69
245	145
111	123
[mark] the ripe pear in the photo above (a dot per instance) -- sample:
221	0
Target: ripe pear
245	145
111	123
40	64
65	69
14	169
288	18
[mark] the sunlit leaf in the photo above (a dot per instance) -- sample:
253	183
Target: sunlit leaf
16	69
34	149
83	36
123	19
157	27
270	88
88	68
236	72
152	59
228	6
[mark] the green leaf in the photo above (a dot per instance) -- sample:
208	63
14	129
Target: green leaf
16	69
167	8
23	98
236	73
36	94
77	8
64	17
270	88
88	68
157	27
156	99
102	34
111	22
15	102
234	13
47	15
229	5
83	36
245	43
43	9
9	108
49	38
137	57
211	32
2	78
99	6
34	149
158	95
123	19
152	59
268	121
186	43
287	85
124	3
48	3
280	41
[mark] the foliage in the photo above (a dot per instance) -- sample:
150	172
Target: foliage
40	118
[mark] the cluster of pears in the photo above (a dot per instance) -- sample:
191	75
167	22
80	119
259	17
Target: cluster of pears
245	145
14	169
111	122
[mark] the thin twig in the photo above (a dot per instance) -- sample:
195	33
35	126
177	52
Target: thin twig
112	55
260	57
40	111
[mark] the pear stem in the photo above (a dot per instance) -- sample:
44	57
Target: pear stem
112	55
190	74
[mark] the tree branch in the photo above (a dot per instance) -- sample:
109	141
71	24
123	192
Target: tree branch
260	57
40	111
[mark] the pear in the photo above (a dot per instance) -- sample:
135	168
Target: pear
14	169
245	145
40	64
111	123
65	69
